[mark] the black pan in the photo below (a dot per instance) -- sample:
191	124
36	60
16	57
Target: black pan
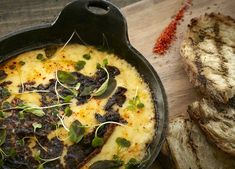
96	22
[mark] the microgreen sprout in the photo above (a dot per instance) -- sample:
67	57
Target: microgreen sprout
104	86
3	135
36	126
21	142
98	141
135	103
43	161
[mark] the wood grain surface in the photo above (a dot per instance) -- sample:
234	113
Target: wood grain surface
146	19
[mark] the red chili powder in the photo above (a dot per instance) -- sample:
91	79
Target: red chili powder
169	33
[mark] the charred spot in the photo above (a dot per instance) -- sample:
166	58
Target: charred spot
3	74
5	83
118	98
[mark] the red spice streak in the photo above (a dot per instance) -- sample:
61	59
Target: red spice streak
168	35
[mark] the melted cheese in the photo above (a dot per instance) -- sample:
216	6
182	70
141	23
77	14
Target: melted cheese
141	123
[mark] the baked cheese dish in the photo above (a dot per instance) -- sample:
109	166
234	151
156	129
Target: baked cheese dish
73	107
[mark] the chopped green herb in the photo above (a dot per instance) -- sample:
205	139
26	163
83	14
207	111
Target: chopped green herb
43	161
3	75
68	112
66	77
105	62
76	131
21	63
140	105
40	57
97	142
87	56
36	126
98	66
123	143
80	65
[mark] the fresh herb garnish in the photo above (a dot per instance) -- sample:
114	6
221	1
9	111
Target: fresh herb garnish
104	86
40	57
98	141
86	91
80	65
135	102
68	112
36	126
21	142
21	63
4	93
2	114
68	98
132	164
3	135
42	161
50	51
87	56
123	143
76	131
3	75
66	77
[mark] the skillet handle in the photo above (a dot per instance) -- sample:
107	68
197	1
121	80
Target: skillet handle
93	19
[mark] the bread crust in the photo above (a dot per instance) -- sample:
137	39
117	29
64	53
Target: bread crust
208	52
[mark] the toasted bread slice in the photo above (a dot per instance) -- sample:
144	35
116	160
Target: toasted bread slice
217	121
190	149
208	51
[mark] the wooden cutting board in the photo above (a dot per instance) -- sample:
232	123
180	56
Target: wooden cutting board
146	20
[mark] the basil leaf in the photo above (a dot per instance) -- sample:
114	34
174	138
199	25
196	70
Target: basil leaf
68	98
76	132
3	134
122	142
87	56
66	77
104	86
97	142
36	126
80	65
3	74
106	164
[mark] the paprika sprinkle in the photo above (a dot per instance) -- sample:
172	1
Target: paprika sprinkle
168	35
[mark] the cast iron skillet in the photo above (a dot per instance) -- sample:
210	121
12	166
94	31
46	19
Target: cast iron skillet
92	26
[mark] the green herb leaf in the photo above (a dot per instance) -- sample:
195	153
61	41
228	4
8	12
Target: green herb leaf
76	131
105	62
86	91
3	75
68	112
78	85
4	93
37	155
97	142
80	65
50	51
21	63
87	56
132	164
122	142
40	57
40	166
37	112
106	164
140	105
36	126
3	134
104	86
68	98
66	77
2	114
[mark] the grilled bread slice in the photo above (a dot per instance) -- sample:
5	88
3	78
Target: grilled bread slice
208	51
217	121
190	150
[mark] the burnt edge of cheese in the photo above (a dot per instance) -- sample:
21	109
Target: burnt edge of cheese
18	128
